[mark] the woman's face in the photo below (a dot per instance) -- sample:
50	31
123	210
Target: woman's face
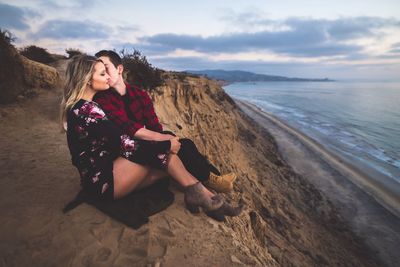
100	79
111	70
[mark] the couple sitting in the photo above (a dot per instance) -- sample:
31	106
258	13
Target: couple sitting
117	145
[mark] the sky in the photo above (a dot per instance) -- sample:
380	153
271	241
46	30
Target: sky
341	39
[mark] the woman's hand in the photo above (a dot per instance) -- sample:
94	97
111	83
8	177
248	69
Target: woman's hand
175	145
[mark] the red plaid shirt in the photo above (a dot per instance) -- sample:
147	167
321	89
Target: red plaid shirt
130	112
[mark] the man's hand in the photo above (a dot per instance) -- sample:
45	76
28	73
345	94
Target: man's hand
169	136
175	145
165	137
146	134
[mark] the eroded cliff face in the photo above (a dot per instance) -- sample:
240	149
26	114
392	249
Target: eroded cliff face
287	221
21	77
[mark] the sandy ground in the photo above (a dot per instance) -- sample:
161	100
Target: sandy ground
38	180
379	227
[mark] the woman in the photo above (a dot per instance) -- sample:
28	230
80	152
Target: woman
110	164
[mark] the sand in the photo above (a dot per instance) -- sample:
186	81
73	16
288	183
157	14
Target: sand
38	180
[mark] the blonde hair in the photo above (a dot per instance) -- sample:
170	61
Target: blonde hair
78	74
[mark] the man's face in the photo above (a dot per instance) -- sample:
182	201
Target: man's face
112	71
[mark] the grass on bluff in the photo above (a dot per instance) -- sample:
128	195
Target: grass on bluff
11	69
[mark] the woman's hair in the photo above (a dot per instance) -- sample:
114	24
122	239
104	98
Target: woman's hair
78	74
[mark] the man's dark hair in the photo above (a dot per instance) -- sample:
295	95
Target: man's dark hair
112	55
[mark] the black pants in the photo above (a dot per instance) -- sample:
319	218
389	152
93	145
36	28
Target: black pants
196	163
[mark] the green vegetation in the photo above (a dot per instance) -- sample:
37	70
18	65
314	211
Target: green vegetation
11	82
73	52
6	36
139	71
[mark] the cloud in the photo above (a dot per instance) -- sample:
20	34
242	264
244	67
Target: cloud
12	17
395	48
297	43
294	36
72	4
67	29
343	28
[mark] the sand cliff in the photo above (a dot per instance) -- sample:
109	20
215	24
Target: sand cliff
287	221
21	77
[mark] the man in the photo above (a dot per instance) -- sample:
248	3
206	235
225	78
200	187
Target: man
132	110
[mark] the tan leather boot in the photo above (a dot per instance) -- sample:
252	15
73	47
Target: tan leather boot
231	177
219	183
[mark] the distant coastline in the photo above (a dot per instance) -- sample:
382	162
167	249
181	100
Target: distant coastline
228	77
375	218
384	193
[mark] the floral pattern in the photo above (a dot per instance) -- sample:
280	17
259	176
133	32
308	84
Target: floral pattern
90	112
95	142
82	133
95	178
164	159
128	146
104	188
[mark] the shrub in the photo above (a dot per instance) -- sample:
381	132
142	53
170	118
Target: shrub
11	82
139	71
38	54
6	36
73	52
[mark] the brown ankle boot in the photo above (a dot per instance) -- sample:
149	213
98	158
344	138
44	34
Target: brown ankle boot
226	210
218	183
195	198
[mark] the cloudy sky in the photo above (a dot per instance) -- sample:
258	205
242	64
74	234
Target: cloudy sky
341	39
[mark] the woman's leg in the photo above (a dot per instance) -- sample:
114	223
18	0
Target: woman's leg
177	170
127	176
181	175
153	176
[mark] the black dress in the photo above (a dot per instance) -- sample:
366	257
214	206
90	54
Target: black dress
95	142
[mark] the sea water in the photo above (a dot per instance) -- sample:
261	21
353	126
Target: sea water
358	119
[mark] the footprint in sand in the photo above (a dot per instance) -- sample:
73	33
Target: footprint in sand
161	237
102	254
133	244
165	232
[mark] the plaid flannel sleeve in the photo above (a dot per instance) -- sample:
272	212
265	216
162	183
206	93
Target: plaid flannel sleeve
150	118
114	108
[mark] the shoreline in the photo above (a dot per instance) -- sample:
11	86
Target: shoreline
375	223
385	194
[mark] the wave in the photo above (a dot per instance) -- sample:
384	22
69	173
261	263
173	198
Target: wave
337	136
359	171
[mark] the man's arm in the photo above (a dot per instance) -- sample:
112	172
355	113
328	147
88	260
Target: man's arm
147	134
150	118
115	111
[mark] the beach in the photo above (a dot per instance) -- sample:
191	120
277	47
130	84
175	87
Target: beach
370	208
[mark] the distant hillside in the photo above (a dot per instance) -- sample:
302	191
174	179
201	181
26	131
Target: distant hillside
245	76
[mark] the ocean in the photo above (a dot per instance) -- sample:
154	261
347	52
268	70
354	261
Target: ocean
358	120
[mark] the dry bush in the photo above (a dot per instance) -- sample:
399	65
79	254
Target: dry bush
139	71
11	70
37	54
